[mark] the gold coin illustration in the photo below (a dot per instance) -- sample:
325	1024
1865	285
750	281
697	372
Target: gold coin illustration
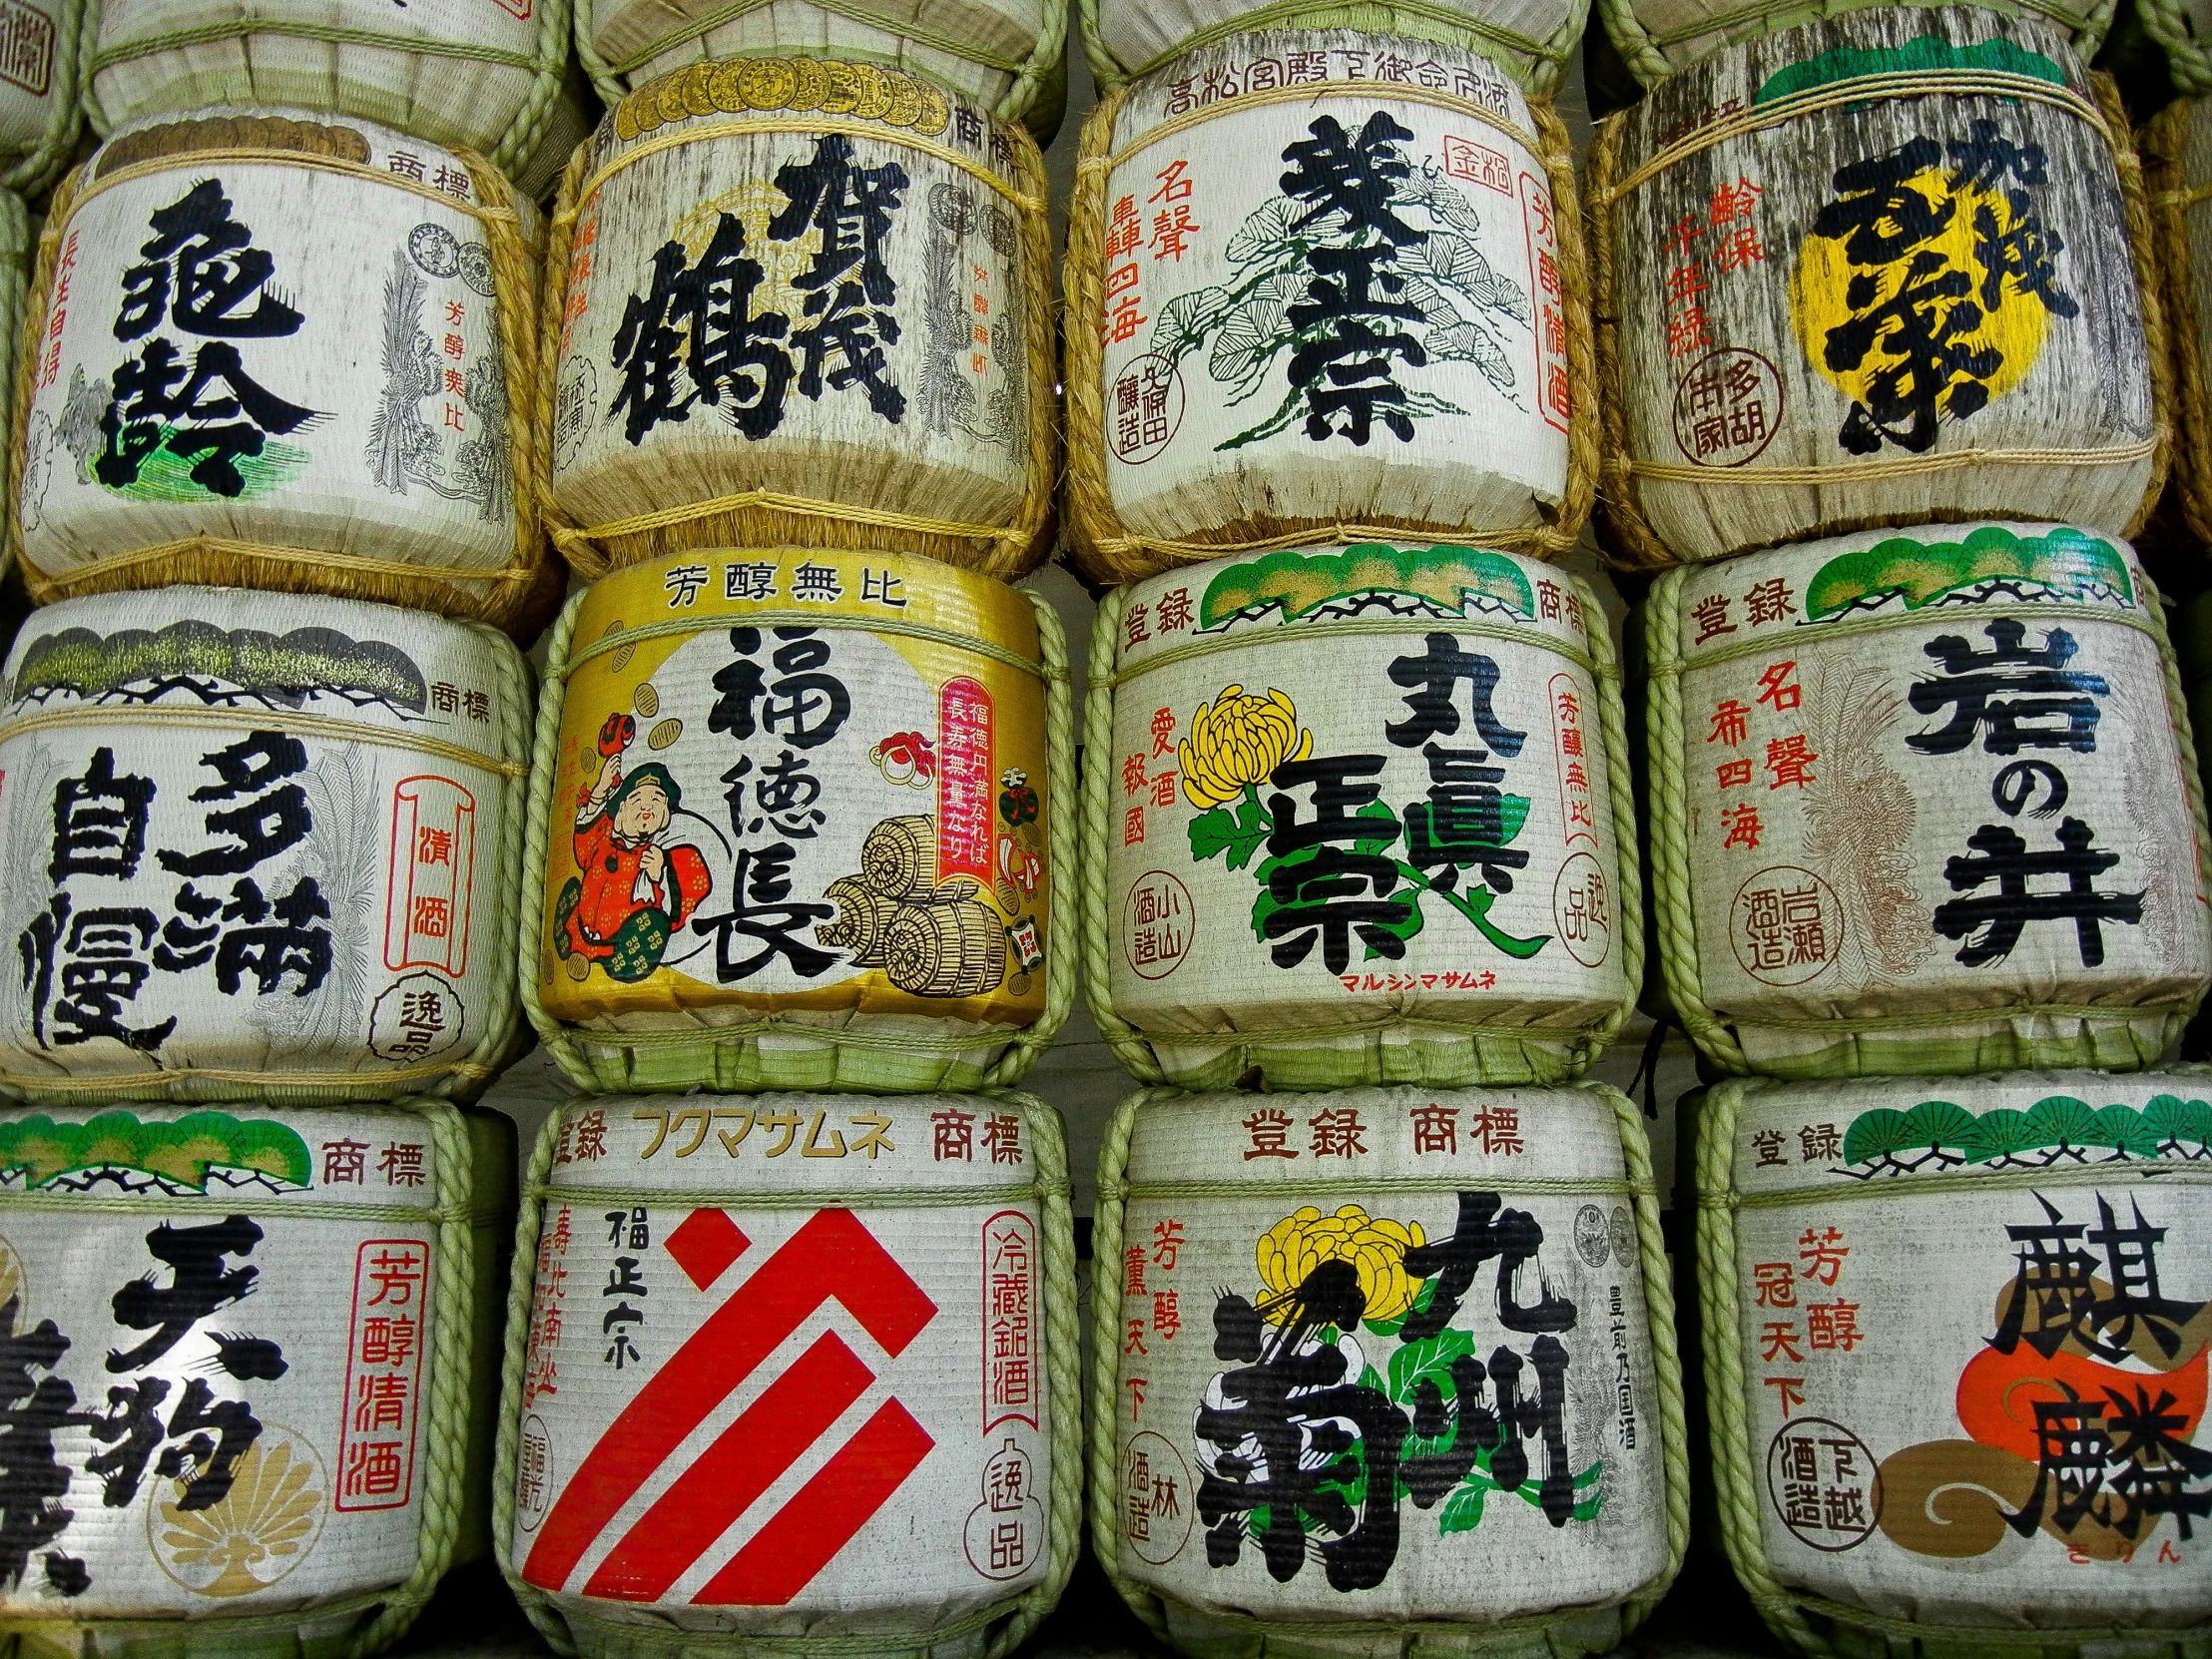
814	85
646	700
664	734
579	969
766	83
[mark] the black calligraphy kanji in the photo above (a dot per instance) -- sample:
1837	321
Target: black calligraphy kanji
2012	695
806	706
1991	924
199	1285
258	829
763	912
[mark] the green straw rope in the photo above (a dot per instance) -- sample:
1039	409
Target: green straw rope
1107	1232
76	35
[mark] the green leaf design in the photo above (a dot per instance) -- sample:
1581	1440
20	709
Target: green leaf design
1998	1133
2062	1122
1875	1135
1429	1359
2174	1122
1462	1511
2124	1130
1938	1126
1422	1299
1184	322
1475	904
1239	834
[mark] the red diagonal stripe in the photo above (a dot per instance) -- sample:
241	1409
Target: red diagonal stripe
832	1254
781	1558
792	1413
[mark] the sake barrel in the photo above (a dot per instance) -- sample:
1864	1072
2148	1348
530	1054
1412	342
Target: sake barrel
252	1355
798	820
304	892
1358	816
1124	39
880	377
481	77
1658	38
45	53
1380	1436
1942	314
570	119
758	1423
1004	57
2005	1453
1925	802
280	349
1337	291
2178	162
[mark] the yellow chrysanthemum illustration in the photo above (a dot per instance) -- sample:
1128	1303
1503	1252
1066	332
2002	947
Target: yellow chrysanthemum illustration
257	1533
1238	739
1376	1246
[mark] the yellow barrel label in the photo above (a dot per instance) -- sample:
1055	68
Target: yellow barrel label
807	781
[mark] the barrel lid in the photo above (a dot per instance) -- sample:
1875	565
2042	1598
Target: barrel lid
1378	1136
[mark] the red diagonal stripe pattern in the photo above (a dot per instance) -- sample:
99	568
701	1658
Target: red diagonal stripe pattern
831	1255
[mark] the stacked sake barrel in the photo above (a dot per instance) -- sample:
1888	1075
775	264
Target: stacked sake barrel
1885	399
1354	813
802	803
2177	162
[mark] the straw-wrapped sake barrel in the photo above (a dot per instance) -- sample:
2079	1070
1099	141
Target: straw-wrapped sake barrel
757	1419
798	821
1324	284
1006	57
286	350
1879	270
1424	1386
1532	40
262	847
1925	802
2177	168
805	301
1358	816
45	53
252	1359
1955	1359
482	77
1658	38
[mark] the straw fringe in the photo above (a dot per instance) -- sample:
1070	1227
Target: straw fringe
2163	146
1105	552
767	518
1633	545
495	594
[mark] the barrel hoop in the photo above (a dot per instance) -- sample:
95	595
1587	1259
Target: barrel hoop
1900	466
241	28
1292	13
322	726
802	619
309	1209
1527	1185
209	559
915	31
1539	541
2140	621
573	541
833	1036
2102	1172
1865	89
325	1614
1312	93
811	1198
288	1079
1480	628
696	132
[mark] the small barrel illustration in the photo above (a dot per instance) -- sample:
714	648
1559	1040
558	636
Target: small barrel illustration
1006	57
1426	1335
2003	1454
1306	299
1925	802
218	1454
41	108
883	375
1659	38
1532	40
267	848
1879	270
481	77
840	871
922	1520
1358	816
339	413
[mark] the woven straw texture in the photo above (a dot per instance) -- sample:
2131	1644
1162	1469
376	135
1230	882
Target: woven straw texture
36	153
2124	1030
856	479
1108	551
1659	41
1207	1634
779	1051
1816	1625
462	94
494	595
2168	144
1389	1047
990	1633
1537	61
1030	88
1733	504
473	1197
2172	24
